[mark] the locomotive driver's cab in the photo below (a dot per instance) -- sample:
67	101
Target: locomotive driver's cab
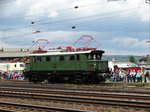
94	62
95	55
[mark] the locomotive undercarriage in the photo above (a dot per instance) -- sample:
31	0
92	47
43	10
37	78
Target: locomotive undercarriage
66	76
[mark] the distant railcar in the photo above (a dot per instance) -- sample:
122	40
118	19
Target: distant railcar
12	66
67	66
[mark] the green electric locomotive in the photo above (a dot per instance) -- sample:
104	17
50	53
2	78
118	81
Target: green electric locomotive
67	66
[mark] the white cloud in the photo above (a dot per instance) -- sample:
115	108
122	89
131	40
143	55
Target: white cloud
48	7
64	9
53	14
123	52
63	38
52	8
88	7
130	42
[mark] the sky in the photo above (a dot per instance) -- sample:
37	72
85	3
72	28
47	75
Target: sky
119	27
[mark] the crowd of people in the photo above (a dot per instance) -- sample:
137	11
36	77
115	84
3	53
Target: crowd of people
131	75
118	75
12	75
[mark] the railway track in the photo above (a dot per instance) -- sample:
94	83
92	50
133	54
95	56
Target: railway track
92	88
17	107
77	96
122	101
79	93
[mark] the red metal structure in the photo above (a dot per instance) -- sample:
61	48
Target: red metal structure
42	44
116	68
66	47
134	68
85	42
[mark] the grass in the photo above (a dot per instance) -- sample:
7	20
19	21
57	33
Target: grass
113	85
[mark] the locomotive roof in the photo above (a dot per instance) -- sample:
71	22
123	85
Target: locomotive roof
66	53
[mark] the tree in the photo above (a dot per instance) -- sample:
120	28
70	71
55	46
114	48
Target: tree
148	60
132	59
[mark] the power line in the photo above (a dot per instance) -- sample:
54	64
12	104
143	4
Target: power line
22	14
101	19
78	24
74	19
60	10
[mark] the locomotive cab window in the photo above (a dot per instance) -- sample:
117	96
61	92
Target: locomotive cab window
94	56
38	59
90	56
34	59
72	57
98	56
22	65
78	57
61	58
48	58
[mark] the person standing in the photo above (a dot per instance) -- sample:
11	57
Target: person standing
129	77
146	76
141	76
134	76
138	76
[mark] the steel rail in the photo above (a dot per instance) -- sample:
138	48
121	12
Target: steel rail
42	107
81	93
47	89
5	110
85	100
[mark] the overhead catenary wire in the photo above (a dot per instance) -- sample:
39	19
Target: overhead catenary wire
59	10
78	25
49	22
64	9
24	13
31	37
81	24
100	19
74	19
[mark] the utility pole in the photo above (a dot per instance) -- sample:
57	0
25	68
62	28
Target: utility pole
148	1
148	58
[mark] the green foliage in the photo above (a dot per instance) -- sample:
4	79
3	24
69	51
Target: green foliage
148	60
119	57
132	59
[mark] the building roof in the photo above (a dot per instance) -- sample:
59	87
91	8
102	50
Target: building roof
122	64
125	64
59	52
144	58
16	52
